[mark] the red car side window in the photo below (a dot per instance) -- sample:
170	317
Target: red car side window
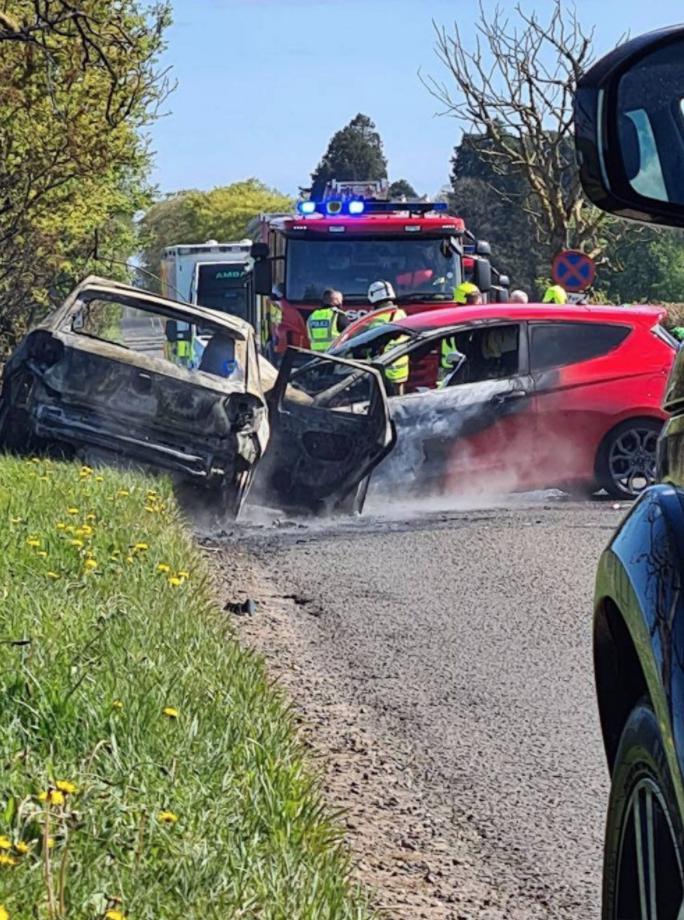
558	344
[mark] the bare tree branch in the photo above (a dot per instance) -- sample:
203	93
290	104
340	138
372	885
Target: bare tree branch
514	87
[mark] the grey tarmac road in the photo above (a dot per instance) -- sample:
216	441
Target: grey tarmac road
453	651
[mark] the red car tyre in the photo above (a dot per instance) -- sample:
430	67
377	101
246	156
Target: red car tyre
626	461
643	877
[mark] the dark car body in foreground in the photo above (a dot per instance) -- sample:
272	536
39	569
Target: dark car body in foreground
629	123
543	396
639	666
95	379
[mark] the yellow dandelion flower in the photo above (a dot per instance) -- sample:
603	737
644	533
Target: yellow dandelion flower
72	510
54	575
91	517
99	479
86	471
130	559
167	817
4	913
15	520
117	704
150	508
6	860
163	567
90	564
33	541
171	712
35	459
122	493
22	848
42	553
67	787
5	843
50	843
174	581
183	574
77	543
140	547
52	797
61	526
111	914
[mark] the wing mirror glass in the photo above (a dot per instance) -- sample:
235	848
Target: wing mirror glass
454	360
629	129
482	274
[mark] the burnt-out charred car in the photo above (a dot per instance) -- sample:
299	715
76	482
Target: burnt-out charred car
102	377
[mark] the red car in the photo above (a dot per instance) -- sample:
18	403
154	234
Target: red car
536	396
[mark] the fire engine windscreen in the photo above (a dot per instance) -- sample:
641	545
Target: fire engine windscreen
224	288
417	268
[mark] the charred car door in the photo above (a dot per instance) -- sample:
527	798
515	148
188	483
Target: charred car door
476	431
330	427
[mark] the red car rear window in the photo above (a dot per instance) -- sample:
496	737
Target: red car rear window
557	344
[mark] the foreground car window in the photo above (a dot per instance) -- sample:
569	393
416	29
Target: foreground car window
211	348
557	344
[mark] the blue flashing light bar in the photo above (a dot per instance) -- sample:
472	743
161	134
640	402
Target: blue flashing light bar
354	207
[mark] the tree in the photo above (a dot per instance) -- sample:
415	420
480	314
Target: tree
79	82
492	206
648	268
515	90
402	189
194	217
354	153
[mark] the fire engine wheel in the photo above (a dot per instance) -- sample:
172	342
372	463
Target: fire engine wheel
626	462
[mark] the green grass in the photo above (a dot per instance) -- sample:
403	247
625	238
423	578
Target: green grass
97	638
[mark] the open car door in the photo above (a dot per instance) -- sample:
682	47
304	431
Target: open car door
330	427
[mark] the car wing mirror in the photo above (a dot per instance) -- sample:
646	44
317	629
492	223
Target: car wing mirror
454	361
78	321
629	129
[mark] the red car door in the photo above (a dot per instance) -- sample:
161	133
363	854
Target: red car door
476	433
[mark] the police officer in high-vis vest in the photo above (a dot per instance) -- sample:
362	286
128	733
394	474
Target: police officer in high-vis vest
381	295
555	294
466	294
326	323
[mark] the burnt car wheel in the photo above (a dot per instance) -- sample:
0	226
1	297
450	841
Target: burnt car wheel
14	429
626	463
643	877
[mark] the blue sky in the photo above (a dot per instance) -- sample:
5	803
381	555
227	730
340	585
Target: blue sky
263	84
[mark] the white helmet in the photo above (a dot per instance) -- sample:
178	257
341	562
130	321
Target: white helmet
380	291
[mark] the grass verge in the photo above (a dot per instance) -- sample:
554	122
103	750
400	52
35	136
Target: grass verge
148	769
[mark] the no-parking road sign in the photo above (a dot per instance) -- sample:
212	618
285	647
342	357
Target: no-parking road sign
573	270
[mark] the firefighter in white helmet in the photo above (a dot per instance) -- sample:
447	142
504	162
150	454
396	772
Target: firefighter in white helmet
381	295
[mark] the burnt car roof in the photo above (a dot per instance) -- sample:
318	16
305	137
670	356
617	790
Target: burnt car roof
191	312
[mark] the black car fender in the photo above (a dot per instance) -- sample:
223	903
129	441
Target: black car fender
639	623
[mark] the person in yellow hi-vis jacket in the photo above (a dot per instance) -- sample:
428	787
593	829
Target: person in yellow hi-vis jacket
381	295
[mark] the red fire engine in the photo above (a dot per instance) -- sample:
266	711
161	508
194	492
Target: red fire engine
351	238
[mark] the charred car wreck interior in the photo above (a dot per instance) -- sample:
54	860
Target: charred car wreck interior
100	378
